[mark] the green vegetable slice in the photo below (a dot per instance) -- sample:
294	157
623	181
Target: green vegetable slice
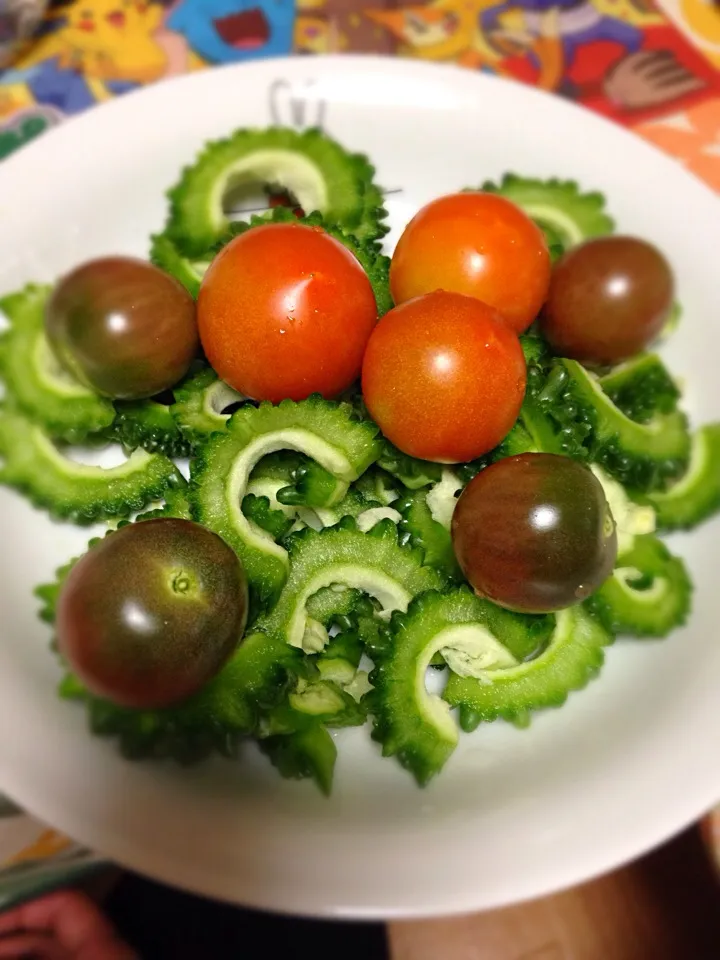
409	722
421	530
377	485
696	495
559	207
373	562
200	400
306	753
150	425
259	512
316	170
648	594
227	709
176	504
327	432
411	472
165	255
75	491
34	380
641	387
643	456
632	519
571	658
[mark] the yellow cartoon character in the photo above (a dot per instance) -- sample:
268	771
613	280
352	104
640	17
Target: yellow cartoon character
442	30
107	41
699	20
639	13
318	34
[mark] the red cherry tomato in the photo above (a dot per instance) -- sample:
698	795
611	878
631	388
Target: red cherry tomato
444	377
478	244
285	310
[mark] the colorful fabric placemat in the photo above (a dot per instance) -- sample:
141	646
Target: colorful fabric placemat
652	66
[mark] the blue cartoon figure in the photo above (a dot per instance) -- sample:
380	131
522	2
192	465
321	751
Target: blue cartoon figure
225	31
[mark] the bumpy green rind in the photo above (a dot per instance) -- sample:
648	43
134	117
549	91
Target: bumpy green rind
352	201
559	207
641	387
643	456
373	562
73	491
572	657
410	723
696	495
150	425
649	593
412	473
258	511
306	753
255	679
378	485
199	403
165	255
176	504
34	381
419	529
322	429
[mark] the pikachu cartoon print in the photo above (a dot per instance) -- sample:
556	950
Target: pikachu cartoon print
92	50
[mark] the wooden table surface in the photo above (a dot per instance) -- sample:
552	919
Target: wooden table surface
663	907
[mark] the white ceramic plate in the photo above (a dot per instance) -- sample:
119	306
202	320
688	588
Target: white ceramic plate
516	813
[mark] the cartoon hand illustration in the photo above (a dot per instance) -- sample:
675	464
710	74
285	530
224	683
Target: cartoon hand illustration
649	78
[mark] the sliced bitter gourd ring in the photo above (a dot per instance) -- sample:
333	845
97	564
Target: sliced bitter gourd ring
641	387
200	400
421	530
571	658
34	380
148	424
324	431
643	456
316	170
74	491
165	255
696	495
373	562
411	472
229	708
409	722
648	594
569	214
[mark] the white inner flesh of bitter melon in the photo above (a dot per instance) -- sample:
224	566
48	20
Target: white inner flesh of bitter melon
290	170
298	439
470	650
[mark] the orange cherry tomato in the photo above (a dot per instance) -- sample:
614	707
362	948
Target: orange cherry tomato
478	244
444	377
285	310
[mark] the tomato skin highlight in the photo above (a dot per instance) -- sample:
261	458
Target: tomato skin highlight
148	616
478	244
609	299
285	310
444	377
534	533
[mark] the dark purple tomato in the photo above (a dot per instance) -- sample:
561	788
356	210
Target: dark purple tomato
152	612
123	327
534	533
608	299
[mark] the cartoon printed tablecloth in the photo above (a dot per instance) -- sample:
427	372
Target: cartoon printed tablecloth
652	65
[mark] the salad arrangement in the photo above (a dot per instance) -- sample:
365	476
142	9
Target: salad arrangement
458	459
